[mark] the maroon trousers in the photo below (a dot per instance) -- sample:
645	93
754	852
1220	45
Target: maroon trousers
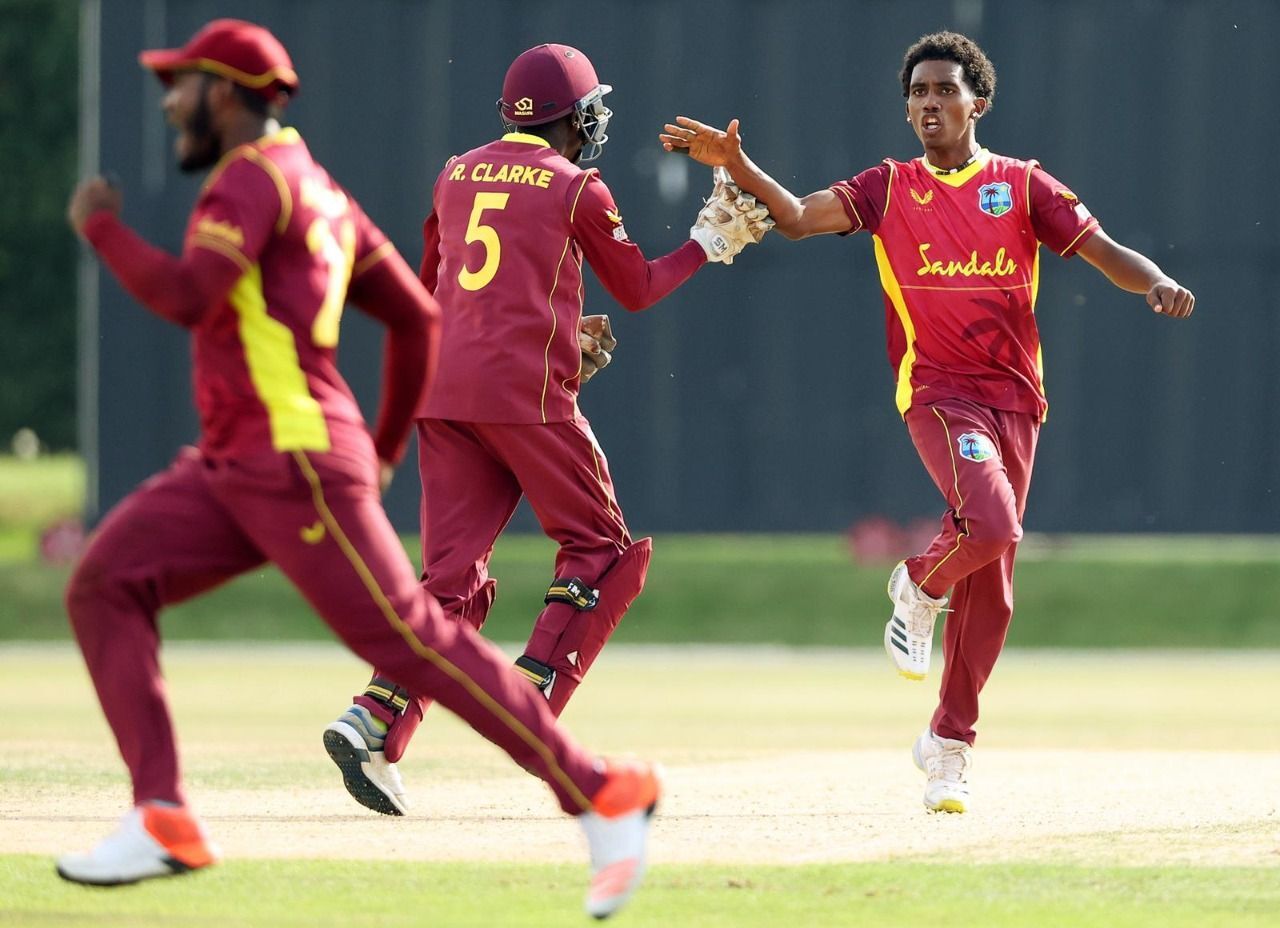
474	475
318	517
981	460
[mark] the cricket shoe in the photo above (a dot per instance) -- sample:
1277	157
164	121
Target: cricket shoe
946	762
617	829
355	745
908	636
153	839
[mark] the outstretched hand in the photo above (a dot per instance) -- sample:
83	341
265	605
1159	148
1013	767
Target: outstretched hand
705	144
1170	298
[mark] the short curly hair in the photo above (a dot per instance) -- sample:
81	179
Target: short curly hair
979	72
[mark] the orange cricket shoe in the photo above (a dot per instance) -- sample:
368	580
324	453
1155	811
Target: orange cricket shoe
617	829
153	840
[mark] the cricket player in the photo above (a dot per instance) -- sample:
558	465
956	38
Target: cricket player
510	226
957	234
286	470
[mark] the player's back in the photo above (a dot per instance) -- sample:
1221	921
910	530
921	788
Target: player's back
266	372
509	282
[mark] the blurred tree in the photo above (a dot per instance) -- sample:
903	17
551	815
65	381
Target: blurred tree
39	73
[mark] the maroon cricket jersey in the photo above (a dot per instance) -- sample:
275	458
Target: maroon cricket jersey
959	263
503	249
265	370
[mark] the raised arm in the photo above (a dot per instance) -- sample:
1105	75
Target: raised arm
818	213
632	279
181	289
1137	273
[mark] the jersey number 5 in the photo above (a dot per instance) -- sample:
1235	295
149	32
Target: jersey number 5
487	236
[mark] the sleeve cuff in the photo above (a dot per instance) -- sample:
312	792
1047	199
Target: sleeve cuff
1085	234
694	253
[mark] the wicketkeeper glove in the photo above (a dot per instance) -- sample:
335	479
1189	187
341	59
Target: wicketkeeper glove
595	338
729	221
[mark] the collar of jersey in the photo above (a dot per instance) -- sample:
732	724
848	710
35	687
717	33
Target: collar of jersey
526	138
286	136
961	178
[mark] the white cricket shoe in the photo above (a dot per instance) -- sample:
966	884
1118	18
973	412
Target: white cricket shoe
908	636
369	777
617	829
946	762
152	840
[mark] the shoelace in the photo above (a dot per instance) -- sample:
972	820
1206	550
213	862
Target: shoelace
921	617
949	765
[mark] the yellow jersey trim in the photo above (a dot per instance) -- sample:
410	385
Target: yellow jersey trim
888	189
296	419
586	176
546	352
1035	292
211	243
527	139
1093	224
564	384
848	197
902	396
430	655
372	258
282	186
956	289
960	178
252	151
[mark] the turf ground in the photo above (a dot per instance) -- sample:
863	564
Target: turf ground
1081	592
1111	789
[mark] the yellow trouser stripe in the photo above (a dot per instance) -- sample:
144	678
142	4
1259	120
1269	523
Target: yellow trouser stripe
448	668
955	476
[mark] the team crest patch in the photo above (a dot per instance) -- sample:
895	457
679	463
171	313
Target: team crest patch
976	447
995	199
619	230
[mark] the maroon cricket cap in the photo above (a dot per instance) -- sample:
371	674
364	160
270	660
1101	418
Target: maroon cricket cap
240	51
544	83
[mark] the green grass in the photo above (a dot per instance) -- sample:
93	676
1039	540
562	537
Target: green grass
796	590
279	893
1073	591
34	494
249	719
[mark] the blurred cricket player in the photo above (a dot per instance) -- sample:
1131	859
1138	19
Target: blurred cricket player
286	470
